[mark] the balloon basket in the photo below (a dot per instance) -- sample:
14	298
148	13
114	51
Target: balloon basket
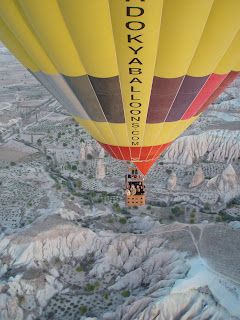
134	180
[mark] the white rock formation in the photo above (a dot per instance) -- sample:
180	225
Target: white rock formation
52	287
89	149
181	198
197	178
68	214
54	237
82	154
217	145
226	184
100	170
144	224
172	182
101	153
234	225
167	283
9	308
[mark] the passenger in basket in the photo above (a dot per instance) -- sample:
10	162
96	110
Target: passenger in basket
142	187
138	190
133	190
128	192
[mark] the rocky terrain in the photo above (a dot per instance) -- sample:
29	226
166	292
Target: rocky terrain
71	249
175	269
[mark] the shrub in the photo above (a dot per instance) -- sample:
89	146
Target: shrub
79	183
159	203
125	293
89	156
83	309
169	171
79	269
21	299
106	295
124	211
74	167
135	207
192	215
110	220
65	144
207	207
123	220
192	221
30	204
171	217
58	187
149	207
90	287
176	210
116	207
12	163
218	219
90	176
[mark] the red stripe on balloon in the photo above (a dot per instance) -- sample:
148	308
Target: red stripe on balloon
210	86
224	84
144	166
147	153
107	148
153	152
162	149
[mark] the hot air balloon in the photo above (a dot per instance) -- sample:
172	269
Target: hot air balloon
135	74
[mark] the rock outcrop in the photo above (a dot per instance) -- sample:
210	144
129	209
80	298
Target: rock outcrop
162	281
100	170
234	225
101	153
82	154
68	214
197	178
89	149
226	184
53	237
215	145
172	182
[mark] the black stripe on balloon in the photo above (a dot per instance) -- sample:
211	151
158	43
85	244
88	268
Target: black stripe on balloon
163	93
83	90
108	92
190	88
